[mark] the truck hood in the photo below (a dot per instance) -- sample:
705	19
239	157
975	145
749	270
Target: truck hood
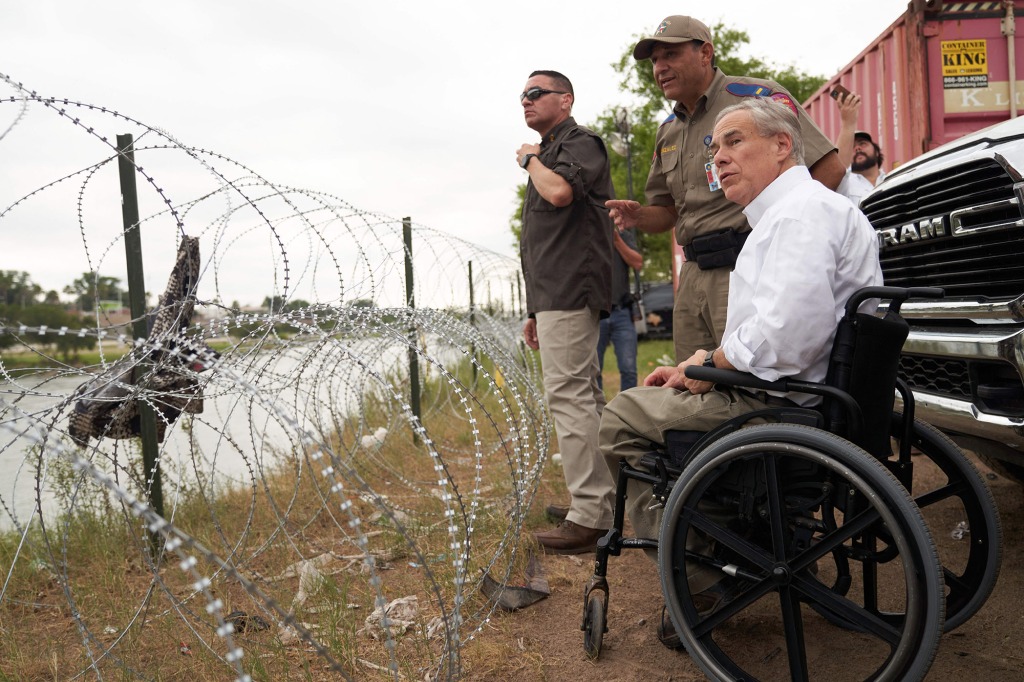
1001	141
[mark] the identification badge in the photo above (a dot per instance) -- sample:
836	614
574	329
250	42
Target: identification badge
712	173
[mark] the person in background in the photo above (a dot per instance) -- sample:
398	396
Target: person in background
683	189
566	251
857	152
619	328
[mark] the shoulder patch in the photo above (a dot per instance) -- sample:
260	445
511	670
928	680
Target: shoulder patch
671	117
748	90
783	98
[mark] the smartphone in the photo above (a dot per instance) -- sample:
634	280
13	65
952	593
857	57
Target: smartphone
838	90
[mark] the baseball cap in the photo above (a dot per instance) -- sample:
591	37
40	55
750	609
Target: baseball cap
674	29
861	135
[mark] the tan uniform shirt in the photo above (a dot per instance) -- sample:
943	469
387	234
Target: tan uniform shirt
678	174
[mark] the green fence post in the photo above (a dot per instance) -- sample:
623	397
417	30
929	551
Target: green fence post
410	302
137	304
472	323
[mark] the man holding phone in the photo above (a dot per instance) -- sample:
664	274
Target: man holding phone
857	151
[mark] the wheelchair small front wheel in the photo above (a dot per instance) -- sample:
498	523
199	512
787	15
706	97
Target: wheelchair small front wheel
594	625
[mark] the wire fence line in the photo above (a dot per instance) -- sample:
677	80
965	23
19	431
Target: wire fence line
297	474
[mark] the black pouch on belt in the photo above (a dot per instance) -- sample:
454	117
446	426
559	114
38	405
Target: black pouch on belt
716	249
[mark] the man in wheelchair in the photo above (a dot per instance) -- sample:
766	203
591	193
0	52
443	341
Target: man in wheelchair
772	512
809	251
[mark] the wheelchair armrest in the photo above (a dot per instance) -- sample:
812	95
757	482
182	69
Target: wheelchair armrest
732	377
737	379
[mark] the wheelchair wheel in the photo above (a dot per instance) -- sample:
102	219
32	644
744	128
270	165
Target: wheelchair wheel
963	518
794	522
594	625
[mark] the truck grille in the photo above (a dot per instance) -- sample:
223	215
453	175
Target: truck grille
941	376
985	259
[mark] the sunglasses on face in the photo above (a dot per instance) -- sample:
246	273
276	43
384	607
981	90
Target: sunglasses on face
534	94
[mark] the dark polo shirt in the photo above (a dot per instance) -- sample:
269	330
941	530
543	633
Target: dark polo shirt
567	252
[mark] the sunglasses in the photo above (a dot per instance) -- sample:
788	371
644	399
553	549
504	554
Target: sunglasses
534	94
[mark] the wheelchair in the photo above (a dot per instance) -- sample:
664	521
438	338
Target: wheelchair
809	520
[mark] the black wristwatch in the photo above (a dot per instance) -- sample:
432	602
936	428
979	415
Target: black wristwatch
526	160
709	360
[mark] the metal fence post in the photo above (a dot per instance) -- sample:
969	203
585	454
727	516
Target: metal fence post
472	323
410	302
519	291
137	304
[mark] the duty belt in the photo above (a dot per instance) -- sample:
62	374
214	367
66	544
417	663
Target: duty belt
716	249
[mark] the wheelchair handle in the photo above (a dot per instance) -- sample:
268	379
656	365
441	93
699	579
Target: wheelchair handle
895	295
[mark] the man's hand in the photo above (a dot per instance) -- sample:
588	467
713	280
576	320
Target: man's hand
530	334
525	149
668	377
624	212
674	377
849	107
694	385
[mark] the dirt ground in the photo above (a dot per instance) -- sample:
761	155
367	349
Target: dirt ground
990	646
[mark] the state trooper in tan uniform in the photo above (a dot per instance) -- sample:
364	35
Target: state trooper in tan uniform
682	188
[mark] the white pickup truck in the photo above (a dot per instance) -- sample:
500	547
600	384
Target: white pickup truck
954	218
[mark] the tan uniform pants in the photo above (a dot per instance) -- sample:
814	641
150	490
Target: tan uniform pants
698	311
568	356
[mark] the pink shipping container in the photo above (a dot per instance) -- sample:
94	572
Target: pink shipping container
940	71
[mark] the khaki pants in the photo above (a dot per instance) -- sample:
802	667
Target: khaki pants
568	355
638	418
698	311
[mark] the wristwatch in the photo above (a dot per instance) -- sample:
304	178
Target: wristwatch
526	160
709	360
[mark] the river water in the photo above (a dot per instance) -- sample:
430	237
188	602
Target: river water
250	421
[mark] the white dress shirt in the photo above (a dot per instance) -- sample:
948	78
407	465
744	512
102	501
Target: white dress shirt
810	249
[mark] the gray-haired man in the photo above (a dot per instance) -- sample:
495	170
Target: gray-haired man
809	249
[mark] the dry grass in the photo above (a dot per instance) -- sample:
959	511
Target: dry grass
84	592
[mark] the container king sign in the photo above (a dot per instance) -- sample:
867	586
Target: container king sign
964	64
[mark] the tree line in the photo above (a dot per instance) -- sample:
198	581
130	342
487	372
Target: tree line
24	302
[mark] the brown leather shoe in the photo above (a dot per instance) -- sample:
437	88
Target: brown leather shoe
569	538
556	512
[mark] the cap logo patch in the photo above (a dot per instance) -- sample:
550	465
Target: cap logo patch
663	27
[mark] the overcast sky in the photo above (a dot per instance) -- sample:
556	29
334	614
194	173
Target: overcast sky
402	108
